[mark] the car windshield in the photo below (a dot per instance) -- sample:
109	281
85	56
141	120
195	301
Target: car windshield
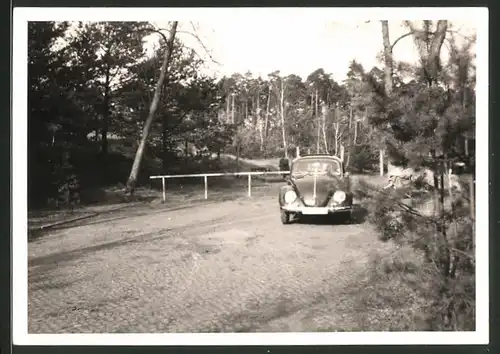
319	167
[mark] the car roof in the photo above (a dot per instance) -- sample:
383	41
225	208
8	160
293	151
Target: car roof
317	156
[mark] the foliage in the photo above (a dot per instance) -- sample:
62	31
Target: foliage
448	261
424	122
90	85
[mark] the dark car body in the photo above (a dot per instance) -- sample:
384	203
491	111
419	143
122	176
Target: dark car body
317	185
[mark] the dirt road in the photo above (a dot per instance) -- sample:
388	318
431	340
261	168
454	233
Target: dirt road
229	266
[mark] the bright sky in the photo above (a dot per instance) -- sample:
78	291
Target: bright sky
292	40
299	47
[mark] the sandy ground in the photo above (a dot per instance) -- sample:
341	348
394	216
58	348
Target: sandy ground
227	266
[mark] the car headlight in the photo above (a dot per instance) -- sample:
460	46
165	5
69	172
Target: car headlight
290	197
339	196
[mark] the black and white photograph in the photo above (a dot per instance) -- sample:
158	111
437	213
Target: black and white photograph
250	176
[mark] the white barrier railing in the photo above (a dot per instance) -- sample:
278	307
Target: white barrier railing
206	175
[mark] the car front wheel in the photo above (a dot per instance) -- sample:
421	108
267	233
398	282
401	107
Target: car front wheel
285	217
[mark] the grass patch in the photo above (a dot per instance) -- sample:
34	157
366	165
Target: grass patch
392	294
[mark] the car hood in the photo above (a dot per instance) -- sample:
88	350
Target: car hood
325	187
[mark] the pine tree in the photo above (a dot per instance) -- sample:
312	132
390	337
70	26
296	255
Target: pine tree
423	123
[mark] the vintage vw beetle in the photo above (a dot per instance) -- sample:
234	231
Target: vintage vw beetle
317	185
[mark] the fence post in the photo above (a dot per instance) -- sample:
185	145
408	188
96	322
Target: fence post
163	188
249	185
206	186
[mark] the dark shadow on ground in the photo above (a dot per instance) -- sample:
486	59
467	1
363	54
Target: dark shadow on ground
113	215
358	216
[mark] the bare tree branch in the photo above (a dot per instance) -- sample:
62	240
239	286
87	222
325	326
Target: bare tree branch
400	38
195	35
198	39
470	39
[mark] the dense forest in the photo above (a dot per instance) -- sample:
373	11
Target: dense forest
102	112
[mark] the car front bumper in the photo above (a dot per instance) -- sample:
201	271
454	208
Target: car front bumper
305	210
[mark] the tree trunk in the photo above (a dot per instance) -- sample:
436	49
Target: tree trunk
164	127
337	128
350	139
325	142
388	69
464	105
232	109
435	50
431	62
323	113
228	110
282	109
447	253
267	111
238	144
252	113
105	117
317	121
381	162
388	61
132	179
355	132
259	122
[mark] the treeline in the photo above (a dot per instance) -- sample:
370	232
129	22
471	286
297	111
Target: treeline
91	86
277	114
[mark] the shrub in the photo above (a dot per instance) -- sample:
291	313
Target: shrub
445	275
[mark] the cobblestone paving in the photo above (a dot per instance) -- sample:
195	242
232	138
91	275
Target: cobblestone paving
224	267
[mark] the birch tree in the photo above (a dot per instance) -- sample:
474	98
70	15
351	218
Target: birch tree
132	180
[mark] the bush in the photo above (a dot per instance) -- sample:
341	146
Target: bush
445	277
364	158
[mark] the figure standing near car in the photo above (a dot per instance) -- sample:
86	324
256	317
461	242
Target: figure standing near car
284	165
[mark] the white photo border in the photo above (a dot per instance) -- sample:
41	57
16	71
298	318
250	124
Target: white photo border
19	178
